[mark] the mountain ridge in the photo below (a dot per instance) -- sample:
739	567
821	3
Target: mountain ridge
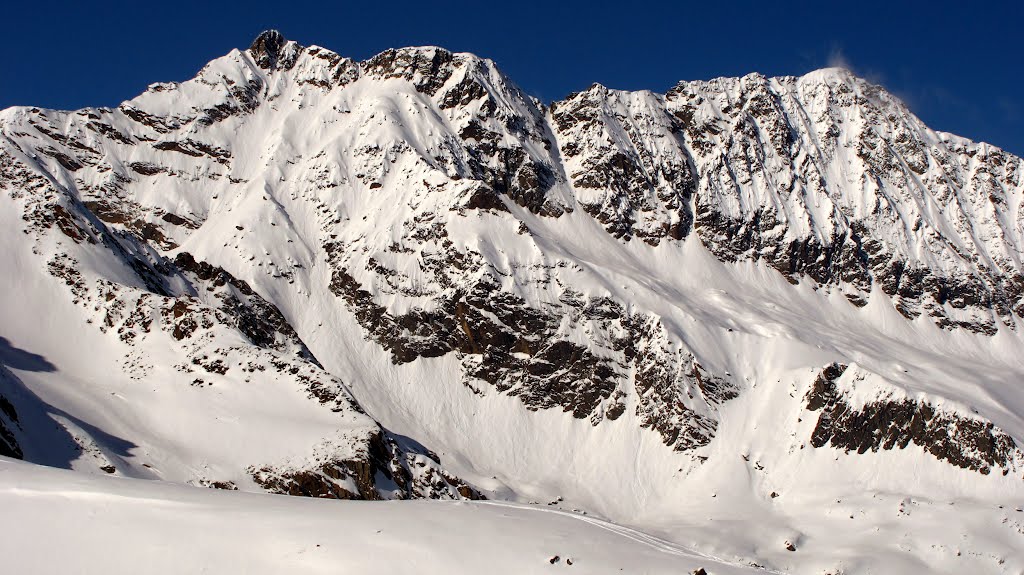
538	294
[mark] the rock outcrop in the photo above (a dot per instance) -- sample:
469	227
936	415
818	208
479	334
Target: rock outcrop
966	442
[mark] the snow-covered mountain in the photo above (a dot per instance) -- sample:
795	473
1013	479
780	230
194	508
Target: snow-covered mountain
776	320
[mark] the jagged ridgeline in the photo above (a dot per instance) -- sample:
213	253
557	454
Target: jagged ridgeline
615	258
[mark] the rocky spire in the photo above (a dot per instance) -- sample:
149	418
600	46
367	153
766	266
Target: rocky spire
267	48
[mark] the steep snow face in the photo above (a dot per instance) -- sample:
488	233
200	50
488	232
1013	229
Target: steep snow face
187	367
824	177
264	265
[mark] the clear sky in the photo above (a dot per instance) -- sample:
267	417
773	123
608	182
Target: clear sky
959	67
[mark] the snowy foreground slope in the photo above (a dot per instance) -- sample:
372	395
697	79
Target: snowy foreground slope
61	522
773	320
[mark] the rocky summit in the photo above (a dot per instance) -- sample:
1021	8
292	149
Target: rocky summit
775	320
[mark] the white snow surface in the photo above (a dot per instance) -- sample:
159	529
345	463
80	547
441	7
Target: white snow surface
114	526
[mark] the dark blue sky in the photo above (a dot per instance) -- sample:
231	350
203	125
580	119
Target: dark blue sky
959	68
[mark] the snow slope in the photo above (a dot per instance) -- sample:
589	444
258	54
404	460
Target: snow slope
774	320
103	525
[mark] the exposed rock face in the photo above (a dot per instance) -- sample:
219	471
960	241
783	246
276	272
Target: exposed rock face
970	443
270	50
412	475
8	422
630	168
254	316
526	353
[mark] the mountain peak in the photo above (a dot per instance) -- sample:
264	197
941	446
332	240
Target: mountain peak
266	49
